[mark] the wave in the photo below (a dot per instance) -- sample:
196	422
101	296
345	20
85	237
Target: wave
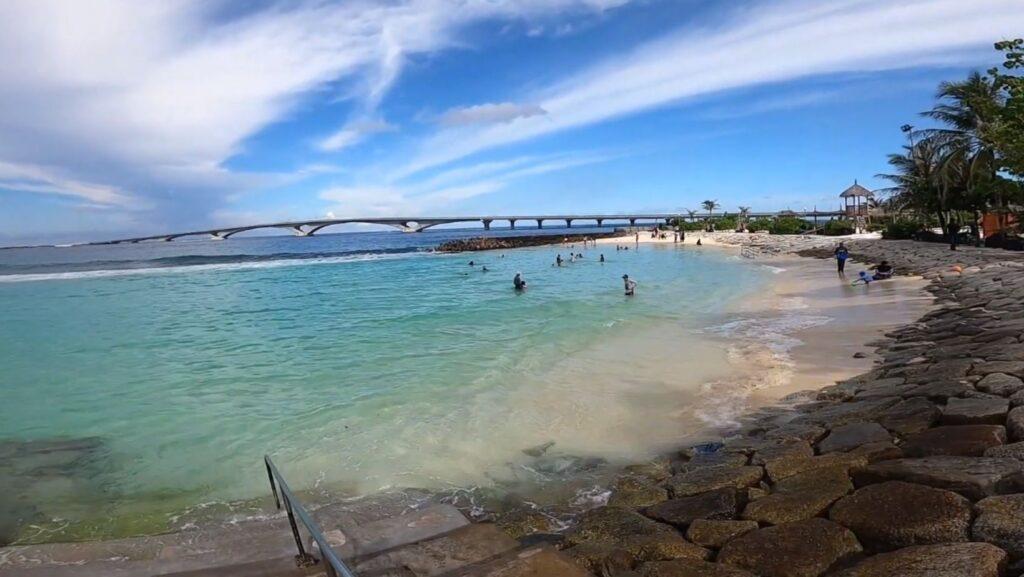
200	263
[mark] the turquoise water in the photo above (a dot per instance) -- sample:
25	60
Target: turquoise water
357	369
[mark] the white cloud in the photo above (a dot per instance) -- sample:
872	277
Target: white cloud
151	98
354	133
489	114
766	43
29	178
437	194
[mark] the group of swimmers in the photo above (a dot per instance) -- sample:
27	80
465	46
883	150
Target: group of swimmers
882	270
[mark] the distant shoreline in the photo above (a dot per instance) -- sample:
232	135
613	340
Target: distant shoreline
509	242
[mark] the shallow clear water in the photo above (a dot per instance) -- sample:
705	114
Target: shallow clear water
357	360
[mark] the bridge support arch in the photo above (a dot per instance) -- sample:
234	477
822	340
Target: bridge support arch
487	224
568	223
632	222
511	224
540	223
600	222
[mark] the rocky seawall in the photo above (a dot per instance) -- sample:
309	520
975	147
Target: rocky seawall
913	469
509	242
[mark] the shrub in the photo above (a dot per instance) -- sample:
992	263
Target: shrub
760	224
902	229
838	227
789	225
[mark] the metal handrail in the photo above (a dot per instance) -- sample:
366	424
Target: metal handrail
333	564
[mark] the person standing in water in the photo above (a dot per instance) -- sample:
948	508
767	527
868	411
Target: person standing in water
602	257
558	260
518	283
841	255
629	284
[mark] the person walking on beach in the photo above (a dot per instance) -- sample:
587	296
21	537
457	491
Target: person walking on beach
841	255
629	284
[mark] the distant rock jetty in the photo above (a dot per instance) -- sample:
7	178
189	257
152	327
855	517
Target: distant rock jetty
507	242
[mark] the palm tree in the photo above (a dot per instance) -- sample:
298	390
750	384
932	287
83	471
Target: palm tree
744	211
710	206
692	214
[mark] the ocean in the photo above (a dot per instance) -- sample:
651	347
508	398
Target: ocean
143	381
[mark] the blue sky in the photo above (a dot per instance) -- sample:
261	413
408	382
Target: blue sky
120	117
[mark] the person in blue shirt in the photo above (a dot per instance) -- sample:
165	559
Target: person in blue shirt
841	255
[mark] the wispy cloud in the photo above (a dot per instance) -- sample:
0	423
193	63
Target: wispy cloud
30	178
766	43
354	133
489	114
144	98
438	193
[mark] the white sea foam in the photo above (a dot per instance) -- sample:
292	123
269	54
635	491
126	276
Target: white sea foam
230	266
762	346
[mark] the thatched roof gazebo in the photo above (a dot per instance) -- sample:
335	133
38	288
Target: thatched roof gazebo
853	205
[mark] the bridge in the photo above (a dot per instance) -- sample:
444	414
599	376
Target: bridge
419	224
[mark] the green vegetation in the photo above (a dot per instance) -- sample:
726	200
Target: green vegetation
838	227
973	163
901	229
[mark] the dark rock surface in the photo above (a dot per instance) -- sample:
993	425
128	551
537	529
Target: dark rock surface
895	514
801	549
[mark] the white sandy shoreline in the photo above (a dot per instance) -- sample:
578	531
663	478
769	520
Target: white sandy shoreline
829	320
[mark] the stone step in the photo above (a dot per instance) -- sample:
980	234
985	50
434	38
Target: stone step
440	555
280	567
536	561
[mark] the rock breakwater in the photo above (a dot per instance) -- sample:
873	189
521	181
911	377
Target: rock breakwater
914	468
510	242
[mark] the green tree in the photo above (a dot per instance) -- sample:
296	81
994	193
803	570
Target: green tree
1007	132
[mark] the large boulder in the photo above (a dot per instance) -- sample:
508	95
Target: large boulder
1010	451
718	504
836	414
710	459
689	568
972	477
1000	384
957	440
1015	368
949	560
896	514
703	479
782	449
801	496
1001	522
612	523
617	538
636	491
910	416
850	436
975	411
802	549
780	469
939	391
1015	424
715	533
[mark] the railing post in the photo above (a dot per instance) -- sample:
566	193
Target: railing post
303	559
273	485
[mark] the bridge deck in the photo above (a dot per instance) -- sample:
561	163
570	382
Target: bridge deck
418	224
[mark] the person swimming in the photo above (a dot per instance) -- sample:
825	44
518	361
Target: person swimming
629	284
518	283
471	263
485	269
